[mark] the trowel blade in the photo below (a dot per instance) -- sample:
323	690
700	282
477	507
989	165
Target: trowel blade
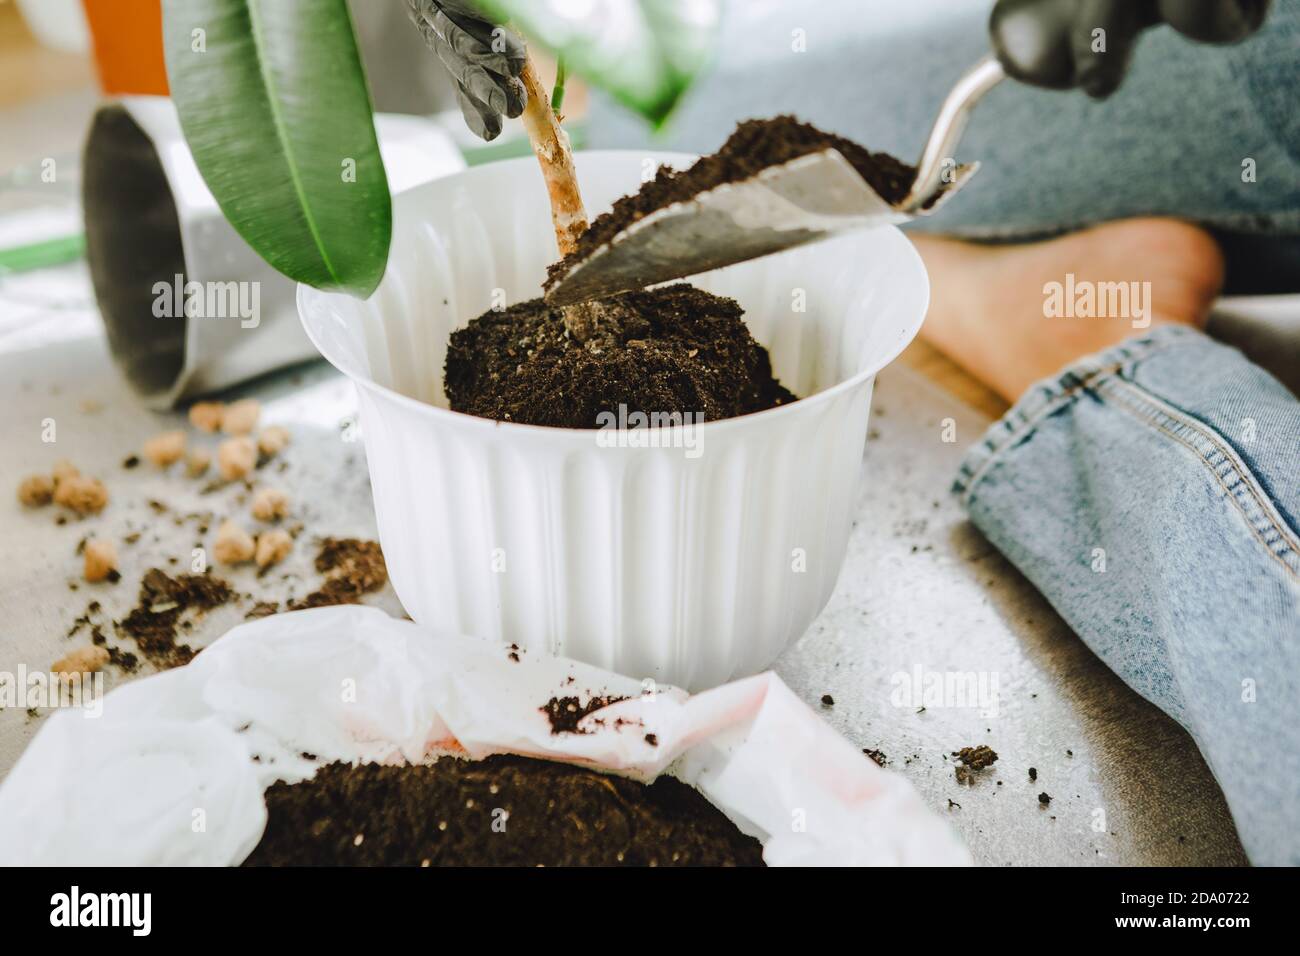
807	199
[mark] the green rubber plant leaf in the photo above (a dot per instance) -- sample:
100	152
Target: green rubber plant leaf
274	105
645	53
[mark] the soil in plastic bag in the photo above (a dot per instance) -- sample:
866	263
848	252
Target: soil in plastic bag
500	811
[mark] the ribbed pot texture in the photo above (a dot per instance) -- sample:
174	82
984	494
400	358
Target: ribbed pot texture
690	563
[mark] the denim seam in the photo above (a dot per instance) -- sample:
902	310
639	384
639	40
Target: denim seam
1047	398
1022	422
1050	395
1263	520
1106	375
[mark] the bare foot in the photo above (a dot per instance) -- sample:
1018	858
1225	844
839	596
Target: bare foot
1012	315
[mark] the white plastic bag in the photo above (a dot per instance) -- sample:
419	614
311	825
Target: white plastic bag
173	770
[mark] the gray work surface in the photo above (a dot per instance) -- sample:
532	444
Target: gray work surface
921	590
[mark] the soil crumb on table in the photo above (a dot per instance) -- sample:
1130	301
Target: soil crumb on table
971	760
655	352
754	146
501	811
352	567
879	757
164	600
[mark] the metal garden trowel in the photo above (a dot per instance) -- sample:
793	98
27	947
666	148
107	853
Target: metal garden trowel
813	197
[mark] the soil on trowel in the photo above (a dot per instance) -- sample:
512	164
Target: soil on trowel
754	146
501	811
675	350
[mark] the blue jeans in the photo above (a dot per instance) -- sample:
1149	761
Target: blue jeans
1152	493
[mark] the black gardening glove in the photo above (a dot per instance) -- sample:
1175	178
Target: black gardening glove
483	59
1051	42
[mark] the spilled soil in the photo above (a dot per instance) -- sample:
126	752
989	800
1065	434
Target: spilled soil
566	713
352	568
156	621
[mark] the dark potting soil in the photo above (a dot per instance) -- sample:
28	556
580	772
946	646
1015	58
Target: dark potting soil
352	568
970	760
155	621
566	713
501	811
672	350
754	146
879	757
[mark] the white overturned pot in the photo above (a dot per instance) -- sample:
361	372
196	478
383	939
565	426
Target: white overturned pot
688	565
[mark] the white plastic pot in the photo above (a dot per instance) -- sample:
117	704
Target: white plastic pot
689	565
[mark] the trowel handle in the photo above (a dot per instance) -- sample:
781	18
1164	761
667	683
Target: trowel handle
947	131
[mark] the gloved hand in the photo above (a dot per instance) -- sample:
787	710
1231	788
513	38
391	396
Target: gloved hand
483	59
1050	42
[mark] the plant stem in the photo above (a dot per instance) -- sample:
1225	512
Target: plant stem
557	93
568	214
551	147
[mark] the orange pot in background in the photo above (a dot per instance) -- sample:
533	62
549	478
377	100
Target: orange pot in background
127	39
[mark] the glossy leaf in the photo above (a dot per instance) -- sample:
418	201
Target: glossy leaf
274	104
